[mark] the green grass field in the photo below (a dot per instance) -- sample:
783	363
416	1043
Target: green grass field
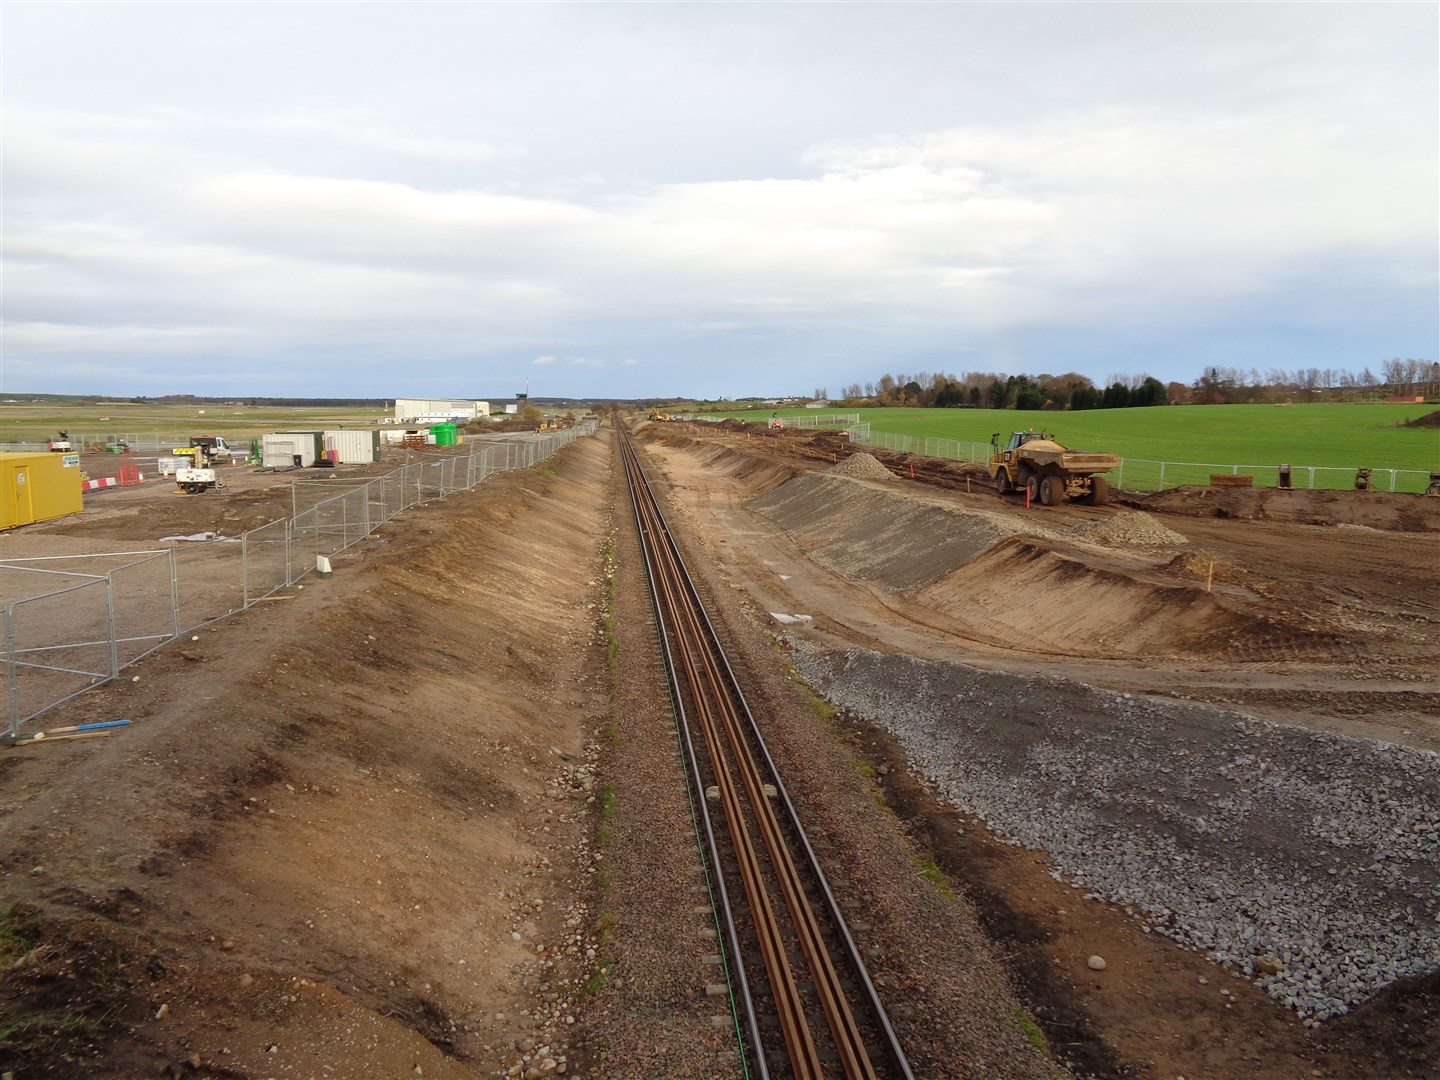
1329	436
1169	446
40	421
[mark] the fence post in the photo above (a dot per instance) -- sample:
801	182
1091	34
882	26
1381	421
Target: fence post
1162	477
245	569
174	596
11	676
110	625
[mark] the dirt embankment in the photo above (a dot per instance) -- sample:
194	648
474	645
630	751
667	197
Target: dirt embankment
1059	583
343	831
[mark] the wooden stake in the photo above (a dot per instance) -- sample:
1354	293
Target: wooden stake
42	738
1210	577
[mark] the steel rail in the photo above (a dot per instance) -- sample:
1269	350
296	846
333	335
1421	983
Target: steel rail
731	735
745	999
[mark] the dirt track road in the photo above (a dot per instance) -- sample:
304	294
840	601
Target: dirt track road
413	819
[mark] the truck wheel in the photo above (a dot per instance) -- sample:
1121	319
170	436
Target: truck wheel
1052	490
1002	483
1099	491
1031	483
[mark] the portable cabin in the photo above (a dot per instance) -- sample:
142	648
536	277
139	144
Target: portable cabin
352	446
38	487
292	449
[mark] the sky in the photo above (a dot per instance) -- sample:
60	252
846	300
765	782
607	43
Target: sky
708	200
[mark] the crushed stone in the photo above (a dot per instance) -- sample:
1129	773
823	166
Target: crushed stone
861	466
1247	840
1134	529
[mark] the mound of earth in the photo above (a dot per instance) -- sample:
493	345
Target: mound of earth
861	466
1429	420
1130	530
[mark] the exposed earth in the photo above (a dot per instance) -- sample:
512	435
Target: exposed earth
425	818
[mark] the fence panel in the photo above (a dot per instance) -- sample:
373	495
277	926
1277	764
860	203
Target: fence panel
211	578
57	646
146	599
266	560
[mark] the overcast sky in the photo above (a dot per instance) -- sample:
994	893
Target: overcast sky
623	200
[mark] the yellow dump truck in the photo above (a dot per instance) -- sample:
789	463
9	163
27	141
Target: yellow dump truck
1034	463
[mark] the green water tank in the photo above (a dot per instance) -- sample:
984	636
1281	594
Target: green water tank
445	434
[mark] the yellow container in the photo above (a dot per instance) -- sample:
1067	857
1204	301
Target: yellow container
38	487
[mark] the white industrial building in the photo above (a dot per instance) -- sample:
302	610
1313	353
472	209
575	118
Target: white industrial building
439	410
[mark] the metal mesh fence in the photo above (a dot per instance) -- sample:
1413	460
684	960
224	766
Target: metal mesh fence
265	560
58	645
97	613
72	622
1136	474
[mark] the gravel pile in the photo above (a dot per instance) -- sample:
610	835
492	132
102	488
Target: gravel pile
1308	861
1135	529
861	466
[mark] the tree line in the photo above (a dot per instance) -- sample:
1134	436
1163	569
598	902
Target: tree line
1073	391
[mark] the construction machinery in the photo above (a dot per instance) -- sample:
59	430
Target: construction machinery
1046	471
199	475
204	452
62	444
212	448
194	479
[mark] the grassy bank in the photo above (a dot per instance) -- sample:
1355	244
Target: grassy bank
1330	435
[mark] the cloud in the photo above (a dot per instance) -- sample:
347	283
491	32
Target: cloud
939	182
375	130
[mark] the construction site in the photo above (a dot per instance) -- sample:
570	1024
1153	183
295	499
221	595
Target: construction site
1106	784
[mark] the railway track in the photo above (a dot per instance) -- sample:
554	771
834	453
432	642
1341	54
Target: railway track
805	1005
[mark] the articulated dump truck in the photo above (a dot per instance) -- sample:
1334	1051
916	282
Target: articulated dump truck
1033	462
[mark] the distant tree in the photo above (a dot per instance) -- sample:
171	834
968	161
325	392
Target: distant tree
1117	396
1150	392
950	395
1210	388
1028	396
